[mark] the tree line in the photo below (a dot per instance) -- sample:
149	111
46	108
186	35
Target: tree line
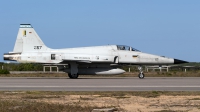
20	67
6	67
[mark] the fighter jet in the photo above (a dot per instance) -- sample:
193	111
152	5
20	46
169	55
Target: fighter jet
29	48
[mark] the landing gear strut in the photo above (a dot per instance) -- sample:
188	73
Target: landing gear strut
73	70
141	74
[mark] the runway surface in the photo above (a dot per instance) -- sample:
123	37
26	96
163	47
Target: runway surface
100	84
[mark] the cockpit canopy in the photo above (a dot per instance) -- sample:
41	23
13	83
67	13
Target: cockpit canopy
126	48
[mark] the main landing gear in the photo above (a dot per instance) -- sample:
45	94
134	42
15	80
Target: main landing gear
73	76
141	74
73	70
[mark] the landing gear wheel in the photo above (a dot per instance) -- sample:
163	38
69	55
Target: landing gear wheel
141	75
74	76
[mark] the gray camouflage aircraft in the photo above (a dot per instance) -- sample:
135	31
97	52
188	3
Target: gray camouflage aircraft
94	60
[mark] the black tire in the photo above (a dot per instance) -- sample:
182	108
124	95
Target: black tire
69	75
141	75
74	76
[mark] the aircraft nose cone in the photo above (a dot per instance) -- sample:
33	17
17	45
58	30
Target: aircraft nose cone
177	61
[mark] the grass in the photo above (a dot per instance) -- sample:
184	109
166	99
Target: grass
59	94
41	96
33	101
122	97
26	106
48	94
37	101
167	111
195	99
83	98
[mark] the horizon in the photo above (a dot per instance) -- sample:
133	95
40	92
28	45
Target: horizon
165	28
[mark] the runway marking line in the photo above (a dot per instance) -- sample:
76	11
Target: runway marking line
98	86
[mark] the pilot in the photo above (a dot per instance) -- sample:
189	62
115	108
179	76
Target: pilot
123	48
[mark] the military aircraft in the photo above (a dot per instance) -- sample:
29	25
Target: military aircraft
29	48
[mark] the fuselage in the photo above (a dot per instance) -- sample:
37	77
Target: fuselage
94	54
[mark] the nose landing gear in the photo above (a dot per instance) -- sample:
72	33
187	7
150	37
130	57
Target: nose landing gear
141	74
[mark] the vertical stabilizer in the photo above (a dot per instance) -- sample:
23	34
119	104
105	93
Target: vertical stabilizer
28	40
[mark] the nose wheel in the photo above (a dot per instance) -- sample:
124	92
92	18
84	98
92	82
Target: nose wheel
141	74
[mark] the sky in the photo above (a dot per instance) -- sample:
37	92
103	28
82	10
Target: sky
168	28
